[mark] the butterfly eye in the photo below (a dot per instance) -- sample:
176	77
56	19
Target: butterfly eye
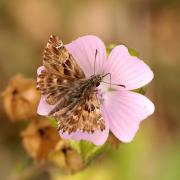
97	84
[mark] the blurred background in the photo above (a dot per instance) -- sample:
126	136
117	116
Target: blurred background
151	27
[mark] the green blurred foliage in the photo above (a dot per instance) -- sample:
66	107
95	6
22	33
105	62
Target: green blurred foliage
89	151
133	52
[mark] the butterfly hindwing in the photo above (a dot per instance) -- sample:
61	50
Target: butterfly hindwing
84	117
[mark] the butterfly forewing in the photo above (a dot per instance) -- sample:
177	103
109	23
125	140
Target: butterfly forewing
59	61
60	70
52	86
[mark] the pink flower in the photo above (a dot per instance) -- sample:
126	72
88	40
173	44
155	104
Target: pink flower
122	109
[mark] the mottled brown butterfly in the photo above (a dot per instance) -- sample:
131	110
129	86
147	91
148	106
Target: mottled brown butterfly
63	83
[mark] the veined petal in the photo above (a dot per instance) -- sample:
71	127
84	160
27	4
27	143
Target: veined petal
125	111
127	70
84	51
44	108
98	137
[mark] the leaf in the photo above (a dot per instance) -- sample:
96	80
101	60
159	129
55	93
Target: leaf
140	90
88	150
132	52
109	48
23	165
53	122
75	145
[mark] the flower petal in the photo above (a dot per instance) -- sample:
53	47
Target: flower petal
84	51
125	111
43	107
127	70
40	69
98	137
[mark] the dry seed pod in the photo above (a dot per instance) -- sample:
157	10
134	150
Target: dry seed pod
21	98
40	138
65	157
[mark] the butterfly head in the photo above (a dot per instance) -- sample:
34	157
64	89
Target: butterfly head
96	80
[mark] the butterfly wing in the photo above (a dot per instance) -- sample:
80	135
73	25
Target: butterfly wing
52	86
60	82
60	70
84	117
59	61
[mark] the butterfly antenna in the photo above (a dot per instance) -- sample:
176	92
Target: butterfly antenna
110	78
95	61
111	83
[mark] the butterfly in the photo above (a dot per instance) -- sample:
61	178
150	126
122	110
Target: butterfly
63	83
